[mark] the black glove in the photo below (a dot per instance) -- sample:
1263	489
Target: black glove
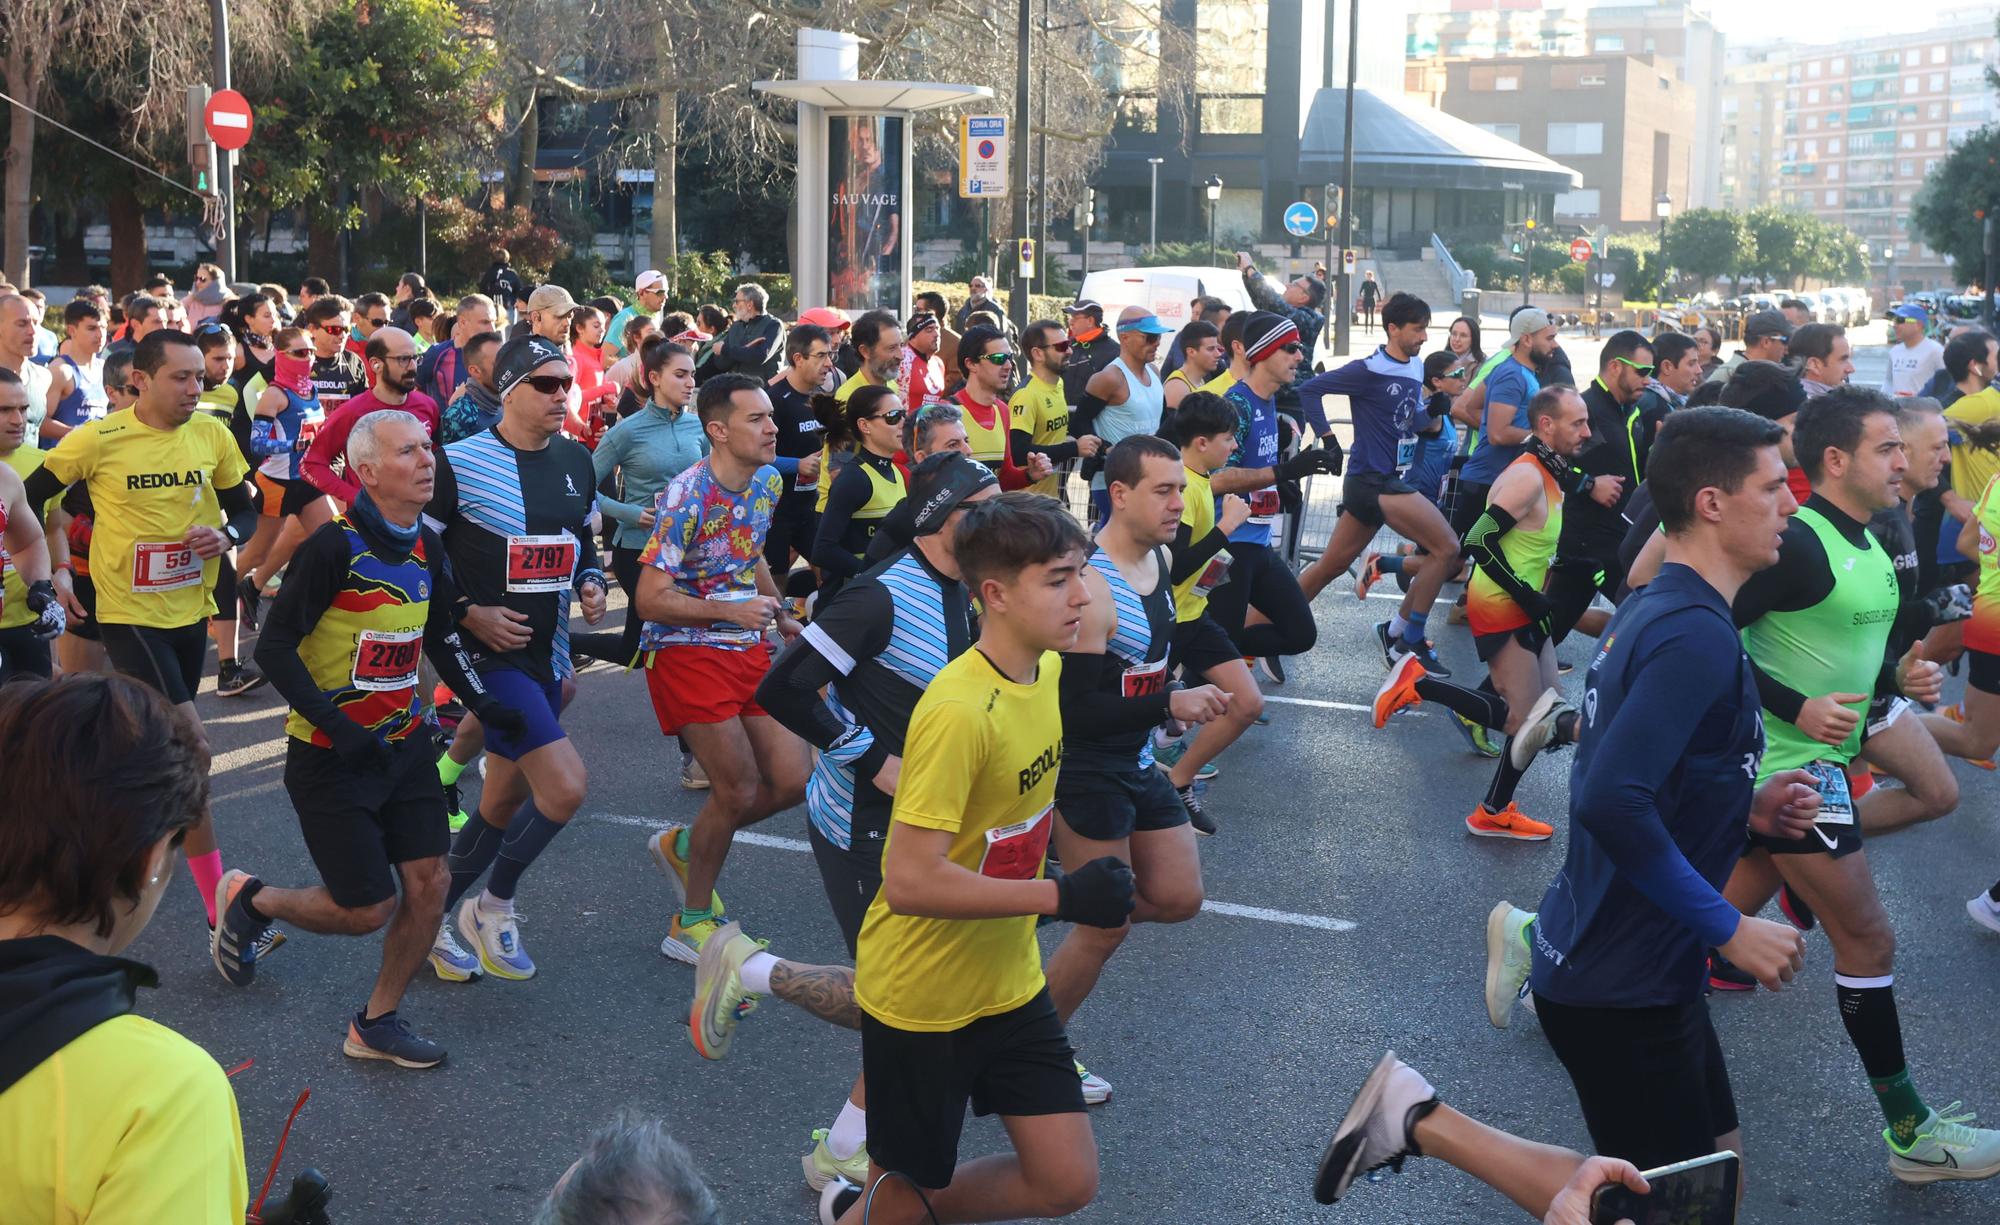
361	750
1541	614
1098	894
50	620
1310	462
503	719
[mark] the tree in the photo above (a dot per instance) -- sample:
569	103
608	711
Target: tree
1706	243
1948	210
379	96
1784	243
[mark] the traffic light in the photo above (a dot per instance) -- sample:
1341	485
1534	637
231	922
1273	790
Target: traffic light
1531	223
200	152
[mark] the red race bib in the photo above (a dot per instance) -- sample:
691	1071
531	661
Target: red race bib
1015	852
385	661
162	566
1213	575
540	563
1145	680
1264	504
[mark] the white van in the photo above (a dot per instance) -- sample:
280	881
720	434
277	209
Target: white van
1164	291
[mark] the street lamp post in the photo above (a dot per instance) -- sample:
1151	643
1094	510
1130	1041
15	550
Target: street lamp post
1213	186
1889	272
1153	222
1663	208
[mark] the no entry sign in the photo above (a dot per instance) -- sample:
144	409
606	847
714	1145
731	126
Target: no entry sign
227	118
1581	250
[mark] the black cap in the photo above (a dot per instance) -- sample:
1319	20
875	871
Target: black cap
940	483
1767	323
521	357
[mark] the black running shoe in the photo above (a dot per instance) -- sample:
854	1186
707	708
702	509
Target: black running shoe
233	944
1723	975
249	597
1427	656
836	1199
234	679
1197	815
1387	644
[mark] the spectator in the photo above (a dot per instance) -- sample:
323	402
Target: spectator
1708	343
1796	312
502	284
1766	335
631	1173
650	296
160	285
410	288
755	343
1302	301
1915	357
1091	348
1367	297
206	299
1821	353
980	297
311	290
106	1109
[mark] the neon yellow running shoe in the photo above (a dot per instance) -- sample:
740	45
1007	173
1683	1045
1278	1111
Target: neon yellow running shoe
822	1167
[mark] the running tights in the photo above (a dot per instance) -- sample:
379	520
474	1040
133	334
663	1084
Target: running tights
1259	578
620	647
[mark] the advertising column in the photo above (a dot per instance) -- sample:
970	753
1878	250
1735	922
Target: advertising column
867	221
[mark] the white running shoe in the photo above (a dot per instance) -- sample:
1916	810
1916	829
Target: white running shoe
1945	1148
496	936
1096	1089
1983	911
1508	960
1537	729
449	958
1376	1131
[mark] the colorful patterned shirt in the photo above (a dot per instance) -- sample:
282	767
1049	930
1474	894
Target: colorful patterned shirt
708	539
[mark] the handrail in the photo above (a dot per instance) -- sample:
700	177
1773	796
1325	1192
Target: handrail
1459	279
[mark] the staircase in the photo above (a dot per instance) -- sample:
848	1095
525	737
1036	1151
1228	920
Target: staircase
1425	278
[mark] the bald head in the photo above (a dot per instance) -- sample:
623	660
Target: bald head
17	329
392	359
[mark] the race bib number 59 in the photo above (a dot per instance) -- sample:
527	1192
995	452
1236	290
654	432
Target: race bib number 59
540	563
162	566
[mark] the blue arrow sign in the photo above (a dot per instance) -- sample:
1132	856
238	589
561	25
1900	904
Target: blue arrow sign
1301	219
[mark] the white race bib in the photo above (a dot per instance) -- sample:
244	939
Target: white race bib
162	566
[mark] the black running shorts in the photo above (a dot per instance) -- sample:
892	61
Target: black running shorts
1199	645
1361	495
1107	807
23	654
1651	1081
1015	1063
170	660
357	827
852	876
1982	671
1488	645
86	595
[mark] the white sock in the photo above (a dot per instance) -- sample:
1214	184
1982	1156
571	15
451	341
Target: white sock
756	973
1397	624
493	905
849	1132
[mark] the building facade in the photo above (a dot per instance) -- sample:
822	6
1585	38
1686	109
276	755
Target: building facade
1752	137
1677	36
1626	123
1866	121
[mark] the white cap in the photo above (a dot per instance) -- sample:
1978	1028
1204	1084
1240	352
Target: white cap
651	278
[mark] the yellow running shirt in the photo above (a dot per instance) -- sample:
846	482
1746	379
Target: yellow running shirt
1039	410
1198	512
980	764
148	488
1221	383
14	611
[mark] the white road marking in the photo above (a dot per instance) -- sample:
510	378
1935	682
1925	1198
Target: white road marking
753	838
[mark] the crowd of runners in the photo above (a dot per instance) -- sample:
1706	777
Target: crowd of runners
989	607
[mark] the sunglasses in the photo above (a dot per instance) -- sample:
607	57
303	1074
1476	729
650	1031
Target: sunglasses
893	417
1060	346
333	329
1626	361
998	359
549	384
298	352
1294	348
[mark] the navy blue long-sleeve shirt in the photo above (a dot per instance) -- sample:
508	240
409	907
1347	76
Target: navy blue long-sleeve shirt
1660	798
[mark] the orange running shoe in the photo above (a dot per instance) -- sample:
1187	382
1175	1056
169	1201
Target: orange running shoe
1400	689
1509	822
1371	574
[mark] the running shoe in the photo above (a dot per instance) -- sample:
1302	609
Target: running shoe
1271	668
693	777
232	942
1564	667
1400	689
454	807
837	1198
1096	1089
1371	574
496	937
668	859
249	597
1426	654
1983	911
719	998
1945	1148
449	959
1795	909
822	1167
235	678
1197	815
390	1038
1170	756
1387	643
271	938
1508	960
1724	975
1956	713
1477	738
1538	729
685	942
1509	822
1376	1131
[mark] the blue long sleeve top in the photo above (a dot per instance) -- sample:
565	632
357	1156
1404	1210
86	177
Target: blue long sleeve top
647	449
1659	804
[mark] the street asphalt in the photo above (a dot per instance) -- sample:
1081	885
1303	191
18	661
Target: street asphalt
1347	919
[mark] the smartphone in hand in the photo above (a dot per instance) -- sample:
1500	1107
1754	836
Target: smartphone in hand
1698	1192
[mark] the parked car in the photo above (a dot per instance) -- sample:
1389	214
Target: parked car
1164	291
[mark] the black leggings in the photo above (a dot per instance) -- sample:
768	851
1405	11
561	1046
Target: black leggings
1572	584
1259	578
621	646
225	592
